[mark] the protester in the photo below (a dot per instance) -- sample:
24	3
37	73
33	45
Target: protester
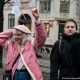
18	41
65	54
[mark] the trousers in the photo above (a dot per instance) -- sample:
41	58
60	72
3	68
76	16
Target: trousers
21	74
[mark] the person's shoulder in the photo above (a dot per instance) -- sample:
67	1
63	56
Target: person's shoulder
56	43
77	36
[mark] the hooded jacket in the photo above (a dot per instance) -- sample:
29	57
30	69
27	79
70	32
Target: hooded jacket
65	62
29	53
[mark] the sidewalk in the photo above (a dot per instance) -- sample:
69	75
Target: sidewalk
45	67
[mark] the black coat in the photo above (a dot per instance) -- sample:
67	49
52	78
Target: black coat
66	61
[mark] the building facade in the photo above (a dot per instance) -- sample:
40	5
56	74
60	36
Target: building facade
52	12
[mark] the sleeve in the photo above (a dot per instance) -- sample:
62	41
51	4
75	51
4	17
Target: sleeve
4	36
76	56
40	34
54	62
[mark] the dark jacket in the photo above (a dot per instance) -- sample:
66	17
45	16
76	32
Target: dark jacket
65	62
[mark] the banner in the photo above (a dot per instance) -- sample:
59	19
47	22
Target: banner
16	7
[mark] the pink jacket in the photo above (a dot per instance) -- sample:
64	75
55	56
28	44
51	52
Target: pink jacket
29	52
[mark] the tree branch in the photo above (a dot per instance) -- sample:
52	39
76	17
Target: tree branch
6	1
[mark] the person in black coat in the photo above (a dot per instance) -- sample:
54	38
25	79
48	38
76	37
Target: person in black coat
65	54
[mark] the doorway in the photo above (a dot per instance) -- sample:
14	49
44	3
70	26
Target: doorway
26	20
61	28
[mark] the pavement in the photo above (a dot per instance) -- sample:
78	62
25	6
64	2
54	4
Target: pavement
1	73
44	64
45	67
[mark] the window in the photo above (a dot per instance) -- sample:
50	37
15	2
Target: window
45	6
11	20
64	6
47	27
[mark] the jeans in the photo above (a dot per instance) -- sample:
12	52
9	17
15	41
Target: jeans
21	75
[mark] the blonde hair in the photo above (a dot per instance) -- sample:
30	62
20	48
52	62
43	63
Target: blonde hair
25	37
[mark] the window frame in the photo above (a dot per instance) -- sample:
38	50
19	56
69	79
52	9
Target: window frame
45	6
47	28
64	6
11	20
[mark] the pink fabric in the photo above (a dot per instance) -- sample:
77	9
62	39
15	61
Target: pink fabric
22	28
29	52
4	36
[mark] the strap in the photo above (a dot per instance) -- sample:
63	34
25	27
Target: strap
28	69
15	60
60	40
17	57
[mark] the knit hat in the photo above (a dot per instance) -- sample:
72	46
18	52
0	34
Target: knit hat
22	28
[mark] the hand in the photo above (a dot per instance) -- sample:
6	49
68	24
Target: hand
35	13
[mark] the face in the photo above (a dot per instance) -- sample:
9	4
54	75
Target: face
18	36
70	28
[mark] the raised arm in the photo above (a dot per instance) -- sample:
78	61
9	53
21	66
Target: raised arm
40	33
4	36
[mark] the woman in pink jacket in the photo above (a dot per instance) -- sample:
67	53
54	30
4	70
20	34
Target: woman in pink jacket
19	41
